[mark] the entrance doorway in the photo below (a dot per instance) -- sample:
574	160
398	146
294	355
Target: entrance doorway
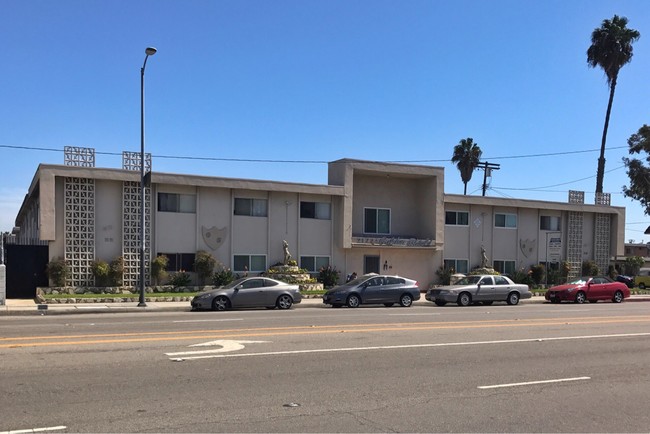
370	264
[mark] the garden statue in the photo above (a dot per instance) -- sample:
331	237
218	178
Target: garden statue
484	258
287	255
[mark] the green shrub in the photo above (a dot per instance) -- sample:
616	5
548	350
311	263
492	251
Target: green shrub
222	276
328	276
58	271
523	277
179	279
537	273
204	265
101	272
589	268
444	274
159	268
116	273
632	265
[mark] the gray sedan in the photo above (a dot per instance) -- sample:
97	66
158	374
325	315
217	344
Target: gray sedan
484	289
249	292
374	289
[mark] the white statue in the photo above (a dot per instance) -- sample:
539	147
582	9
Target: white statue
287	255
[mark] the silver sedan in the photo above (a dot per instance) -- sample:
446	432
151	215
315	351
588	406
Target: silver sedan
484	289
249	292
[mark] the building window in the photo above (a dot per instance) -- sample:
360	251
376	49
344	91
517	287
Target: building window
251	207
457	265
549	223
315	210
376	221
252	263
179	261
505	220
504	267
174	202
313	264
457	218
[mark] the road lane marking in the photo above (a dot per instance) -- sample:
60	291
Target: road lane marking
414	346
106	338
32	430
226	346
209	320
414	314
530	383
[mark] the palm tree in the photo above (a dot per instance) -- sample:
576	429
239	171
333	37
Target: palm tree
611	48
467	155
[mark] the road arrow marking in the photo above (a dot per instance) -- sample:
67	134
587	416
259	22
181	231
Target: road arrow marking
225	344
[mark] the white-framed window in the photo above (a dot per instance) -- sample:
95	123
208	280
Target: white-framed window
252	263
376	221
504	267
457	218
550	223
313	264
458	265
505	220
251	207
315	210
174	202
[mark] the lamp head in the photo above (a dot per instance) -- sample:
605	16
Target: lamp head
150	51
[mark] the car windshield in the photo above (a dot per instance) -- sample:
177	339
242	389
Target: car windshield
579	281
469	280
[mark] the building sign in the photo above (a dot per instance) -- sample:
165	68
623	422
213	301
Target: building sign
393	242
554	248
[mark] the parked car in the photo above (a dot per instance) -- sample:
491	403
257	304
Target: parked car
642	279
249	292
484	289
589	288
374	289
629	281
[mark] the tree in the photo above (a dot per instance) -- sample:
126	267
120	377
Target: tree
639	174
204	265
611	48
467	155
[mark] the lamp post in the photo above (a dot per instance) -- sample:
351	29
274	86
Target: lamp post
149	51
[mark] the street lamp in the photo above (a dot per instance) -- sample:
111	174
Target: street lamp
149	51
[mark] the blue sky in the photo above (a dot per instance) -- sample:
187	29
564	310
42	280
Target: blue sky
321	80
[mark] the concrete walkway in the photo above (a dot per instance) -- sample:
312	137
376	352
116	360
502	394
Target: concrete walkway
29	307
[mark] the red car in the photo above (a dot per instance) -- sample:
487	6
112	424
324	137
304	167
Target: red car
589	288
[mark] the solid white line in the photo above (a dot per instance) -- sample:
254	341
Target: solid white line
528	383
211	320
32	430
399	347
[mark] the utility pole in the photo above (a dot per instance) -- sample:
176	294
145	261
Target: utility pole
487	168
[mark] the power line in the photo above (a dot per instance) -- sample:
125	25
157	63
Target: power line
264	160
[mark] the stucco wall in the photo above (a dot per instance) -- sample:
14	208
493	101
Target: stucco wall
108	219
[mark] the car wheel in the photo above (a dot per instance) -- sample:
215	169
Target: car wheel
513	298
406	300
440	302
284	302
618	297
464	299
641	285
581	297
388	304
487	303
221	303
353	301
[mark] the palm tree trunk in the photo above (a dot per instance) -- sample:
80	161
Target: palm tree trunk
465	190
600	173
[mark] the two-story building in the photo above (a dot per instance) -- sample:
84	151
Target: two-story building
371	217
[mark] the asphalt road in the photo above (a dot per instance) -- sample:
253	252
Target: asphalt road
526	368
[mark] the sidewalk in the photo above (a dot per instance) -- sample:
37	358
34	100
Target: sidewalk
29	307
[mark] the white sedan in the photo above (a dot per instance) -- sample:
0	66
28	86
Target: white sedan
484	289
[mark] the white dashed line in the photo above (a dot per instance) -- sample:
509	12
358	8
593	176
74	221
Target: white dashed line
530	383
32	430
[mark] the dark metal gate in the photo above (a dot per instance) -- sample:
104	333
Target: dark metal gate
25	269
